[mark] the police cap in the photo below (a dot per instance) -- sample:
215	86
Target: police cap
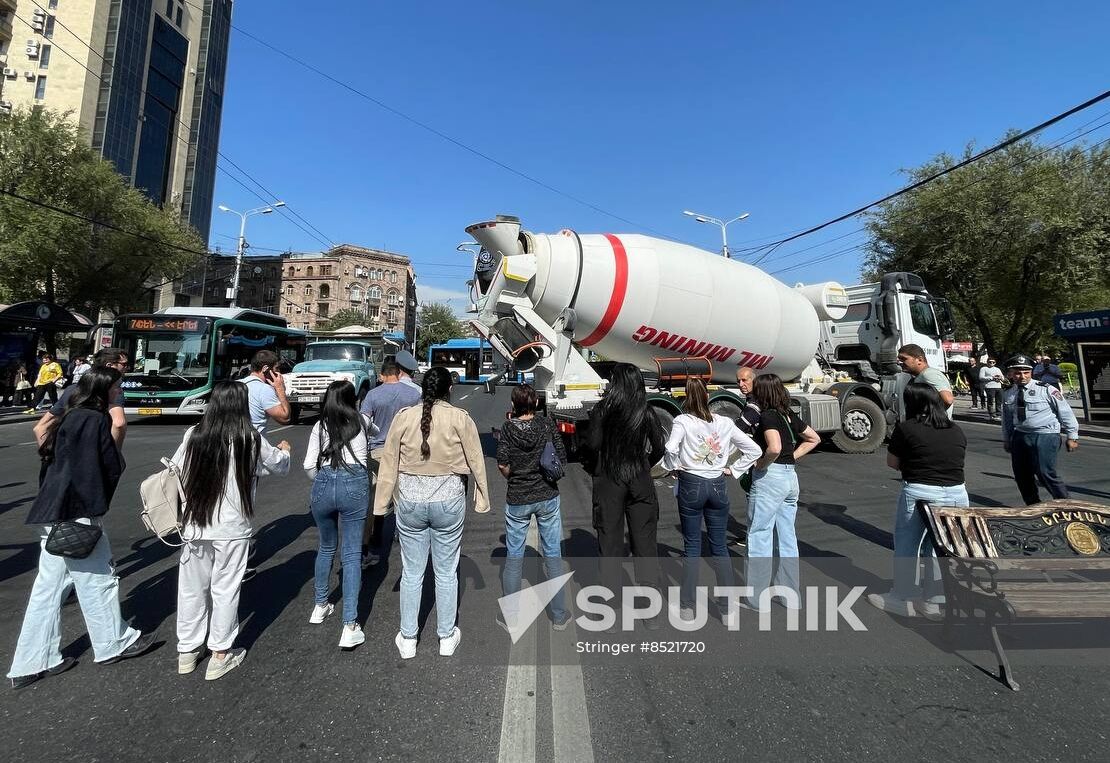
1020	361
406	361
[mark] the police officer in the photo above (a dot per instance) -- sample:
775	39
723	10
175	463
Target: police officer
1033	413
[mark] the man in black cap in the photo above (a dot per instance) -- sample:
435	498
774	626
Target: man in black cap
1033	415
409	367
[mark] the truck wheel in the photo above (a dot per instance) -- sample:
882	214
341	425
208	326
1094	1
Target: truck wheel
294	413
726	408
666	421
862	426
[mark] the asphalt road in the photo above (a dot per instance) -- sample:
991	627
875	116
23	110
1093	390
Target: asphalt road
298	696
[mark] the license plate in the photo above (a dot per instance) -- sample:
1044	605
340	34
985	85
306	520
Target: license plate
150	411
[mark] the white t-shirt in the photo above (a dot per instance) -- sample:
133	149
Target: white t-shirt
228	520
355	454
704	448
991	377
262	399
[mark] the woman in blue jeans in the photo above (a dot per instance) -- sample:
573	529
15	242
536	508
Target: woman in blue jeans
336	461
773	501
929	450
699	448
430	449
530	494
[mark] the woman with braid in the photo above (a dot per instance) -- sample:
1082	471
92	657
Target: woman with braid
430	449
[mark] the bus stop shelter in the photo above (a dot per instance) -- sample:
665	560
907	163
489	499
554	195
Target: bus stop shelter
1089	334
23	325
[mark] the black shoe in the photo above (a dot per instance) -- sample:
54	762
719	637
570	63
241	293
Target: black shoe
71	597
22	682
562	625
142	645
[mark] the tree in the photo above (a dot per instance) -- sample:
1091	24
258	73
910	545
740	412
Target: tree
69	260
435	324
1011	239
342	319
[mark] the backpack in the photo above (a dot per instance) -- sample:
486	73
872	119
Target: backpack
163	500
550	465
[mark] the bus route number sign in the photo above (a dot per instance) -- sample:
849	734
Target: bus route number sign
163	324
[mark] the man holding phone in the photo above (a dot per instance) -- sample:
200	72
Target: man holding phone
266	389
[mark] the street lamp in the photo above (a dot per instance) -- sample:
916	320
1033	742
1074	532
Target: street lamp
267	210
723	223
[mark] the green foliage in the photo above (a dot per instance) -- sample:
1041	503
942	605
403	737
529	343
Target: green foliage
44	253
1011	240
342	319
1069	368
435	324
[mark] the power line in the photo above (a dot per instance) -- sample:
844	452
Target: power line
914	186
273	197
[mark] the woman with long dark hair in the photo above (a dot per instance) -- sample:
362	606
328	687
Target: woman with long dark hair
929	450
336	461
773	501
430	449
219	459
624	440
699	448
83	467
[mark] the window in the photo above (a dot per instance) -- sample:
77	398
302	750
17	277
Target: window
325	291
356	293
308	271
44	57
322	310
922	316
860	311
325	270
179	16
375	292
381	275
48	32
292	271
375	312
304	327
308	290
40	88
52	4
169	9
393	277
289	289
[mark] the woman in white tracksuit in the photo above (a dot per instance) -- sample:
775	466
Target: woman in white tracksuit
219	460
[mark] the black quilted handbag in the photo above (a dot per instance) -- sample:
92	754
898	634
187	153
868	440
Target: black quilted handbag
72	539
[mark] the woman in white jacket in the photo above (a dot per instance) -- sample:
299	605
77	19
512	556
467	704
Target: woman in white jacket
700	449
219	460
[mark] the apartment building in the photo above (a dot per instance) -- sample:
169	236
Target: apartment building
381	285
143	79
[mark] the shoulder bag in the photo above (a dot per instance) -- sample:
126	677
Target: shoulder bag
75	540
163	501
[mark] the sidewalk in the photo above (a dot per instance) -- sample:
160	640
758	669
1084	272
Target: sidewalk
964	412
10	414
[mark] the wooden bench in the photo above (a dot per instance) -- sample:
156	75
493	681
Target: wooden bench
1035	562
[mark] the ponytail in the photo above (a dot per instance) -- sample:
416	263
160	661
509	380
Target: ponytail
436	387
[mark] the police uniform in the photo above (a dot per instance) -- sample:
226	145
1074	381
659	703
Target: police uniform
1033	416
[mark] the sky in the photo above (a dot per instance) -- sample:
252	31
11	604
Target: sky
627	113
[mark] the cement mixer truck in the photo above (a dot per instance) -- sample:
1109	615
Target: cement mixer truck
544	300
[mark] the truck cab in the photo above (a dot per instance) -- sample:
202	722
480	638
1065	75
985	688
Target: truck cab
326	361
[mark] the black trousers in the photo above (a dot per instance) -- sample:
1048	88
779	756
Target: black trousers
42	391
632	503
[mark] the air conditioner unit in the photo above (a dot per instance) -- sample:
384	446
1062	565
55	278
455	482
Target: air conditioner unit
37	26
5	105
9	72
29	75
33	51
39	12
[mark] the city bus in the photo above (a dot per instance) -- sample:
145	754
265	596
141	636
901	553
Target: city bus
178	353
471	361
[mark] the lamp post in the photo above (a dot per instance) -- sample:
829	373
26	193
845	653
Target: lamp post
267	210
722	223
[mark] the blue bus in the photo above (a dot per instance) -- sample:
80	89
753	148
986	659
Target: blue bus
470	361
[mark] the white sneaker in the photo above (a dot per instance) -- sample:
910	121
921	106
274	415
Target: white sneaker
187	661
686	613
352	636
218	668
447	646
929	609
406	646
895	605
319	612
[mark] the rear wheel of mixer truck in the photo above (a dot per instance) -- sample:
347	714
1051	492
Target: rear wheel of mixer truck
862	426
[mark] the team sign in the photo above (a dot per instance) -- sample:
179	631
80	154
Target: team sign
694	348
164	324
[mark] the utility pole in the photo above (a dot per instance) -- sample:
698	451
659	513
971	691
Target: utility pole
233	292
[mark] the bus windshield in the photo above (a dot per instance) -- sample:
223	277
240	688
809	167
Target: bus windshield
330	351
168	359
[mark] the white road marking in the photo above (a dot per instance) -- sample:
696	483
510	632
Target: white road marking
464	397
518	715
570	720
287	426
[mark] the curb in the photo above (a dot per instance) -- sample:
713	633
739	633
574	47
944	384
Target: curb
1097	434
